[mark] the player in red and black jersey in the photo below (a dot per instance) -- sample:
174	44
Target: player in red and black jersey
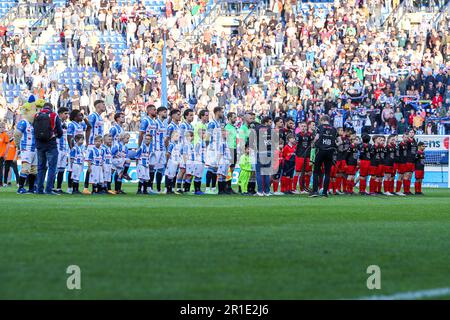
375	159
411	144
303	167
389	159
400	164
277	168
343	144
381	155
419	168
288	155
352	163
364	163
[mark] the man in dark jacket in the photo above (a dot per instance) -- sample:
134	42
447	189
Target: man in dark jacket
47	151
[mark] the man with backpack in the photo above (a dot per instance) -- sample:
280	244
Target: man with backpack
47	128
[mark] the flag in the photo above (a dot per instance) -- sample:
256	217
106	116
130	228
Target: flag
164	76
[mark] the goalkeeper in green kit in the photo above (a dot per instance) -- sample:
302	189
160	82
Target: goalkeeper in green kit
245	165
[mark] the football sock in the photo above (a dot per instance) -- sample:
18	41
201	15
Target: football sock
69	180
197	184
214	180
289	184
159	177
307	181
125	168
145	185
86	181
179	182
168	184
386	186
139	186
31	180
295	183
399	186
152	178
275	185
283	184
208	178
59	179
362	184
23	177
407	185
187	185
372	185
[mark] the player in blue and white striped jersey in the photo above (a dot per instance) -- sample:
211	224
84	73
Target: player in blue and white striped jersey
116	129
119	154
174	157
107	164
214	136
223	162
143	162
199	161
78	125
97	124
96	157
63	150
158	159
76	162
184	128
148	126
188	159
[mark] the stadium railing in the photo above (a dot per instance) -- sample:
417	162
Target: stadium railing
444	13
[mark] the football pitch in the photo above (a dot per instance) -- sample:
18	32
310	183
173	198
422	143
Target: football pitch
222	247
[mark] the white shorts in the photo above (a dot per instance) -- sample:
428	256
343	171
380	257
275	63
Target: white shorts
107	171
198	170
77	170
160	159
222	169
62	160
143	173
96	175
171	170
190	166
211	158
29	157
118	163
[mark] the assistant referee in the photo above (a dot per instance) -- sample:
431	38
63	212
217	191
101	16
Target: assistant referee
325	142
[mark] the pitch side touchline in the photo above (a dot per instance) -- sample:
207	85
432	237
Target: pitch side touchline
411	295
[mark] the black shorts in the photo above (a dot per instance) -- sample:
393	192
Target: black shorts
277	175
288	169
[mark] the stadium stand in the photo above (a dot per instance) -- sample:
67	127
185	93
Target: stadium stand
48	43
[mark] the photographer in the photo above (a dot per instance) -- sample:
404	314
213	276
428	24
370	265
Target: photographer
47	128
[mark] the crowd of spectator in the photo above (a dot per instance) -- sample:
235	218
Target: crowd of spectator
285	63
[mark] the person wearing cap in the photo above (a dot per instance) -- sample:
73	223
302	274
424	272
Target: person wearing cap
47	150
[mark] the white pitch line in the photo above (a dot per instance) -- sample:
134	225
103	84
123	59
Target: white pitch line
411	295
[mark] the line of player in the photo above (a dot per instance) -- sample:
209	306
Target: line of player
377	158
181	154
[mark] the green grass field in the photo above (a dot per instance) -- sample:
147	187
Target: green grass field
229	247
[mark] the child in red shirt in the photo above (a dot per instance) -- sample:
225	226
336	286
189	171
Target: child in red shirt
288	155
